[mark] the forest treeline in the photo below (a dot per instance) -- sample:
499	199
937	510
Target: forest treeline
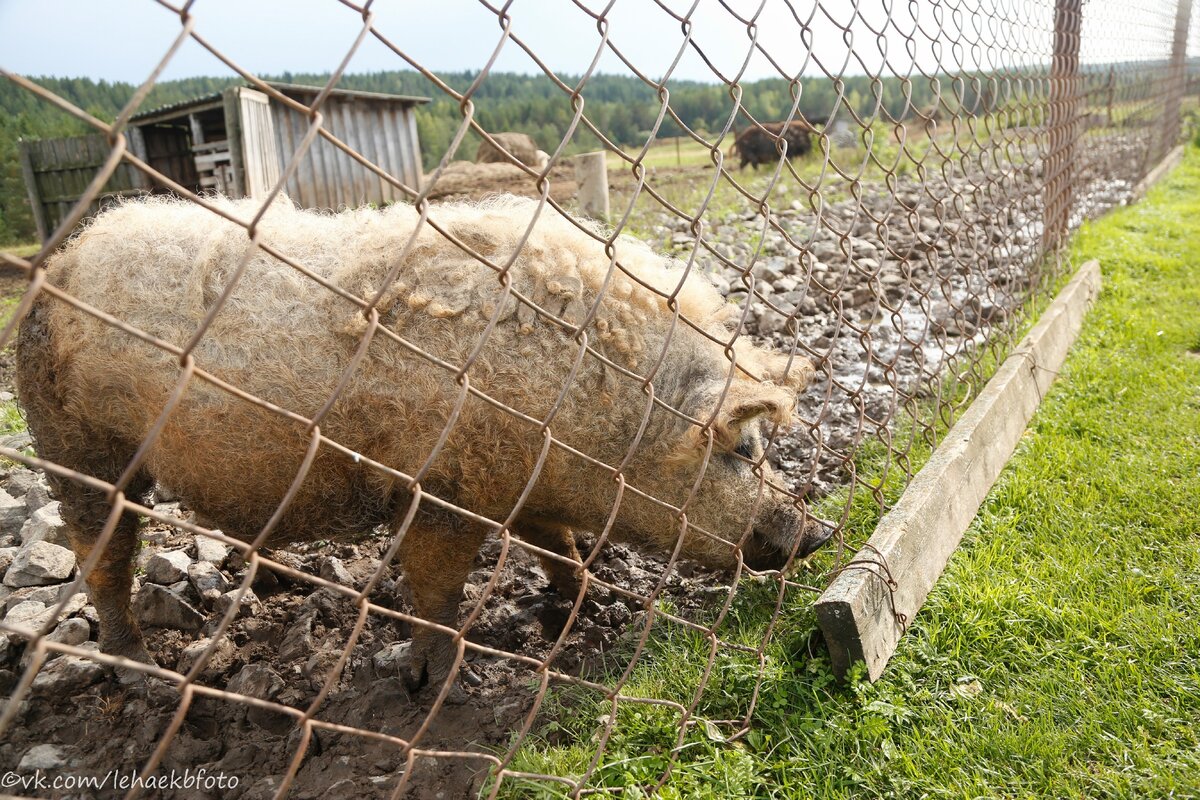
626	109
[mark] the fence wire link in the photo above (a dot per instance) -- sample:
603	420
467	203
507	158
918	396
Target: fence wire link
897	239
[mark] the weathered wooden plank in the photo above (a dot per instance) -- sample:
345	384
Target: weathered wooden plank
31	188
260	159
324	172
378	190
280	116
353	175
308	174
861	615
233	133
412	146
395	166
197	130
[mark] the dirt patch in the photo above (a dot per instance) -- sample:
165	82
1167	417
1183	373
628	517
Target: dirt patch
292	640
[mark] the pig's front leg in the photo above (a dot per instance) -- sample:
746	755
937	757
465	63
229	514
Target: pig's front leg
437	554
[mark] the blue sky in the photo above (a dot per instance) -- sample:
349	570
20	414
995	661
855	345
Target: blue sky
123	39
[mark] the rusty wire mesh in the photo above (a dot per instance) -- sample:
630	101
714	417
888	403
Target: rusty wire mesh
901	256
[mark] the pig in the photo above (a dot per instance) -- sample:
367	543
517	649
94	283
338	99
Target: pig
757	145
537	448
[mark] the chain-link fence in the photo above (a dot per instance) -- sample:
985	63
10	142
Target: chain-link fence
360	444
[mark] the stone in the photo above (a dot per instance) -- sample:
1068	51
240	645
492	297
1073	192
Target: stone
72	632
39	563
167	567
222	656
67	675
46	525
205	577
256	680
247	606
7	554
43	757
12	513
17	441
158	606
37	497
210	550
332	569
26	614
164	494
20	481
391	660
298	641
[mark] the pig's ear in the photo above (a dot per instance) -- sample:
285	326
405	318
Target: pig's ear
772	402
794	373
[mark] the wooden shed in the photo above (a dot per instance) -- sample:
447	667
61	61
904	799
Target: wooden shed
237	142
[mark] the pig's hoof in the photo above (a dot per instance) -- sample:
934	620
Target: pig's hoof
134	651
469	676
420	667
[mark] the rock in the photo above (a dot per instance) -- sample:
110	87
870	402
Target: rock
46	525
16	441
390	661
73	632
248	606
163	494
26	614
157	606
39	563
332	569
223	653
12	513
171	509
205	577
167	567
210	550
43	757
298	641
256	680
37	497
67	675
20	481
7	554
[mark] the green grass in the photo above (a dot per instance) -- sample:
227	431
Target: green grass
1059	655
22	250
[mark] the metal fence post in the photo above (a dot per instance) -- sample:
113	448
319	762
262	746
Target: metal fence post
1176	83
1062	113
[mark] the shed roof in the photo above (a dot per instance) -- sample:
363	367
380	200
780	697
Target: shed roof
289	89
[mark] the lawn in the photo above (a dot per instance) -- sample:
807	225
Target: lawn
1059	655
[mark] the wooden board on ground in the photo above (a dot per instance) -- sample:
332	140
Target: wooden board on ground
865	610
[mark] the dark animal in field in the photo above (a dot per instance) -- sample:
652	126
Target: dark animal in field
760	144
93	393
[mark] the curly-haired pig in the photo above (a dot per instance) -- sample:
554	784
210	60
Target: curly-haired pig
691	438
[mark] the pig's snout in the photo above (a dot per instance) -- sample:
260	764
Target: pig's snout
783	532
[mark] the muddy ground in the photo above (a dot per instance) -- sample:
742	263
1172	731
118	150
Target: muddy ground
903	288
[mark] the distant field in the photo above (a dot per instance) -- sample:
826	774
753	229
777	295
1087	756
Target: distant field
677	152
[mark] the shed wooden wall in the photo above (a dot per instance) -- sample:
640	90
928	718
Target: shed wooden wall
57	171
385	133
